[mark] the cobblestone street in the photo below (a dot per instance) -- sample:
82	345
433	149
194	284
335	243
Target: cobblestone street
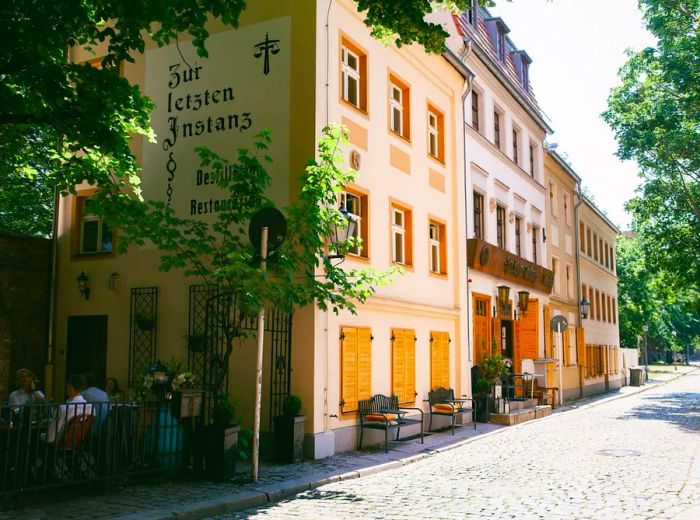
552	468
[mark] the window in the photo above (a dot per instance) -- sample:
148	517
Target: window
614	310
597	305
401	243
403	365
582	237
569	281
535	231
553	199
518	225
531	149
516	138
478	216
595	247
436	137
439	360
557	275
475	110
591	301
497	129
356	204
600	248
92	235
501	226
567	220
589	247
501	45
355	366
354	75
399	107
473	13
438	253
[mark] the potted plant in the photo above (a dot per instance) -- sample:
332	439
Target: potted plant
184	400
482	387
144	321
220	441
289	431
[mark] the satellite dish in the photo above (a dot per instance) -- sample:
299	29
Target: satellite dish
276	225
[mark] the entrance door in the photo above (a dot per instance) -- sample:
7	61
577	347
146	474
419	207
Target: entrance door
507	339
87	347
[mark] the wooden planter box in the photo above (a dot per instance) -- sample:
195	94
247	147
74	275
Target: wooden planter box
289	438
220	451
186	403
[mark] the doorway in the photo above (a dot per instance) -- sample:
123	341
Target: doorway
506	339
87	347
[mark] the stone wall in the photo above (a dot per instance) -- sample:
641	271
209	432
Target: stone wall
25	271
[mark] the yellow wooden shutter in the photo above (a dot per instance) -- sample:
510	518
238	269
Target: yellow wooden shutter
398	364
364	363
348	369
445	360
434	360
529	333
566	345
547	314
581	346
410	378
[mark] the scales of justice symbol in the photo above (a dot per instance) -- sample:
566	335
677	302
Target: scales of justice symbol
265	48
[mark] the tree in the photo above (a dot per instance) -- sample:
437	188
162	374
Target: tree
220	254
62	123
654	114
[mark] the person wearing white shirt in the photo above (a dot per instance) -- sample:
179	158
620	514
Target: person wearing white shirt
27	392
75	405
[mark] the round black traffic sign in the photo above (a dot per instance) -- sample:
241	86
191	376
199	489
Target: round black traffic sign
559	323
276	225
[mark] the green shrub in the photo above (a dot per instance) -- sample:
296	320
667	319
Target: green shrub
291	406
482	386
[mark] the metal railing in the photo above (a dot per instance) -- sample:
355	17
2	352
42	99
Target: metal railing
47	445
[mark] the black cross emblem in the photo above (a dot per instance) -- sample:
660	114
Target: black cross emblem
265	48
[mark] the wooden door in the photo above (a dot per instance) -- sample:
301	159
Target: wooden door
87	347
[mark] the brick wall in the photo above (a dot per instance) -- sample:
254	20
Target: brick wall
25	267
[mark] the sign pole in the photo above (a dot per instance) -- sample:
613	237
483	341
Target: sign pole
259	363
560	361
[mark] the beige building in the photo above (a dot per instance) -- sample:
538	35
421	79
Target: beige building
505	192
601	357
403	110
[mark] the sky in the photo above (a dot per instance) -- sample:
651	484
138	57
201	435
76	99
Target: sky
577	48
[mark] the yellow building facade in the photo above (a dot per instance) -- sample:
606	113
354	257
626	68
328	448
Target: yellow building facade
291	67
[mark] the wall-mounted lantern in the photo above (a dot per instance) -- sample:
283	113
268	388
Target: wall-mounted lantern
585	308
341	233
113	282
83	285
503	296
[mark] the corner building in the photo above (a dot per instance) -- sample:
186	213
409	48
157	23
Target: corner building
291	67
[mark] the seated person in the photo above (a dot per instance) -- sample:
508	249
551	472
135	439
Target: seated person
27	392
97	396
75	405
113	391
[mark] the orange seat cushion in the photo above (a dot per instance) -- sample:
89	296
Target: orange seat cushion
444	408
380	417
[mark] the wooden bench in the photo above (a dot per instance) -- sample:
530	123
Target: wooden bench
442	402
545	393
384	413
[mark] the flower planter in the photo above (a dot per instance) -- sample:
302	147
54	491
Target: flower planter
220	451
289	438
482	408
186	403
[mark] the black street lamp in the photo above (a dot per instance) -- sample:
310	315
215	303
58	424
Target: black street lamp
585	308
645	328
83	285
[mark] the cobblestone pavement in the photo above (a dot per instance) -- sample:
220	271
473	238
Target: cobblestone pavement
553	468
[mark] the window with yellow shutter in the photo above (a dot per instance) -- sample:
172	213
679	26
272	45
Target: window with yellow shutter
403	365
355	366
439	360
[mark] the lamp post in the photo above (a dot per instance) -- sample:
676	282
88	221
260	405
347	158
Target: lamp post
645	328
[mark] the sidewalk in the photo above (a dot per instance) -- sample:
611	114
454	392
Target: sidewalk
198	499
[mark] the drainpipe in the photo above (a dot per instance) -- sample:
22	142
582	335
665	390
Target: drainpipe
49	366
579	320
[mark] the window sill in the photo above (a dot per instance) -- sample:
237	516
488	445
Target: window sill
101	255
405	267
439	276
355	108
403	139
439	161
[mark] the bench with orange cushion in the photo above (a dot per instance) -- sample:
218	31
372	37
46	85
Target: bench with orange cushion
442	402
384	413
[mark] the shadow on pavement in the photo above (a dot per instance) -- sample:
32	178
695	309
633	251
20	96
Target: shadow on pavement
681	409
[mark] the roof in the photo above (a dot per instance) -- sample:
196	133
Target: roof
506	72
562	162
600	214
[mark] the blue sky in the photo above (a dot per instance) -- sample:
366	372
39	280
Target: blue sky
577	47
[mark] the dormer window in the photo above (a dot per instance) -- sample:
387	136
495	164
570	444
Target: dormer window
473	13
497	32
522	66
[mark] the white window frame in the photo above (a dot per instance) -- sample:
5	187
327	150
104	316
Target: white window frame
398	235
357	201
85	218
433	134
396	108
434	239
351	73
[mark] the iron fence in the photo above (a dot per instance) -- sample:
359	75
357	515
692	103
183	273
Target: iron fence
48	445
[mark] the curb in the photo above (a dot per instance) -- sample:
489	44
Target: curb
272	493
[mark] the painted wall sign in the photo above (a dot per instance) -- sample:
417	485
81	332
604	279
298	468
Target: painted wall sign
221	102
493	260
